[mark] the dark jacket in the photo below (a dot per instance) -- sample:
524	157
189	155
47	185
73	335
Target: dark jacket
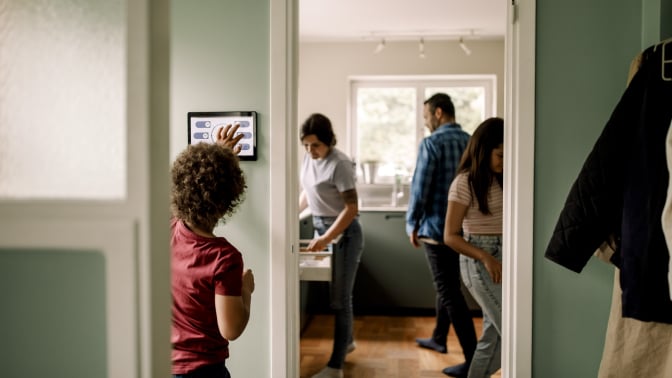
621	191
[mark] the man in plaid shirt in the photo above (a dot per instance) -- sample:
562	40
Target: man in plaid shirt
438	159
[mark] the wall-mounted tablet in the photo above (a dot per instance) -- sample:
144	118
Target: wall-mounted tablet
203	127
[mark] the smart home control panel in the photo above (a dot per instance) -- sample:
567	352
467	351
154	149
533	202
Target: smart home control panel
204	126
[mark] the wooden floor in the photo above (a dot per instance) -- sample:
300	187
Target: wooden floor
385	348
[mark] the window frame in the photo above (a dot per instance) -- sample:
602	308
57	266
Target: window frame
420	83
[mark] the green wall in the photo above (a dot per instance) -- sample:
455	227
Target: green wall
584	49
53	314
219	62
665	19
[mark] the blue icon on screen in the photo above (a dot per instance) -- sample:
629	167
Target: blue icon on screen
246	135
201	135
244	146
203	124
244	124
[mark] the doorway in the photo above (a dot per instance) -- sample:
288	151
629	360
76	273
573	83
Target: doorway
518	201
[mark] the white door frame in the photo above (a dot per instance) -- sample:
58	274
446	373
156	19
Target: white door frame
518	189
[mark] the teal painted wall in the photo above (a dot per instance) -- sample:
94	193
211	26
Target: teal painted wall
665	19
584	50
53	314
220	61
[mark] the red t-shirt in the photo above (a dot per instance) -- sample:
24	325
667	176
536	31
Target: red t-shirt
201	267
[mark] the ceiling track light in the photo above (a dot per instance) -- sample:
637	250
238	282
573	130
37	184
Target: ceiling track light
421	48
380	46
464	47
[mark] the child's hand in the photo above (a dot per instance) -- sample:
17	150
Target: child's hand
227	137
248	281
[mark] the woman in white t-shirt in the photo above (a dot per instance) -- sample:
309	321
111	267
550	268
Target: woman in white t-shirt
328	182
474	229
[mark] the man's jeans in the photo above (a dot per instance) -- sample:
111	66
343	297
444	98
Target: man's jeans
344	264
487	358
445	266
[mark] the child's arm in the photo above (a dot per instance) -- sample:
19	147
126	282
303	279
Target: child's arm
234	312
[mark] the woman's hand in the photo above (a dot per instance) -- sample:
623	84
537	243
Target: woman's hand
318	244
226	136
494	267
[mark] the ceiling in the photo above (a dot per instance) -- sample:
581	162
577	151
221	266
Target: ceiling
347	20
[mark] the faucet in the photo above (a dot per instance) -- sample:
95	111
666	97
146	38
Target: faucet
396	193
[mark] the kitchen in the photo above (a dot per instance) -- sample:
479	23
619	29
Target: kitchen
338	67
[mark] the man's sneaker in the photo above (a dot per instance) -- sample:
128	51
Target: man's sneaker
351	347
328	372
431	344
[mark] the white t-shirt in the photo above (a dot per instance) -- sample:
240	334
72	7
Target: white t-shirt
474	221
323	181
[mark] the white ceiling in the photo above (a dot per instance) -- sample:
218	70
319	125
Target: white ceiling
323	20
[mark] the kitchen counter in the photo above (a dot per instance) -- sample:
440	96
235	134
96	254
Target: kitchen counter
386	209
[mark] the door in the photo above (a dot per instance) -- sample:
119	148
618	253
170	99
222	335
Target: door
83	260
518	201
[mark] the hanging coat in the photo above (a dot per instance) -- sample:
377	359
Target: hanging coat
621	190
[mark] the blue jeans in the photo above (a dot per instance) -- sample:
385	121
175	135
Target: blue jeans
207	371
451	305
344	264
476	278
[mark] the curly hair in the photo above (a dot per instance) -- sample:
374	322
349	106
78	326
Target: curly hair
208	185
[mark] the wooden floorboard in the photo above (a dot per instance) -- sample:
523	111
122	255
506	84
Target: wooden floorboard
385	347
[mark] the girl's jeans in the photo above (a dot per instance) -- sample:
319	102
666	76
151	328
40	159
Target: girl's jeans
344	262
476	278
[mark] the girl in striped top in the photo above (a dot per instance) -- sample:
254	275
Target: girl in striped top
474	229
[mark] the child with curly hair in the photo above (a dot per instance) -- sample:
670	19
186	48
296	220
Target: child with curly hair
211	291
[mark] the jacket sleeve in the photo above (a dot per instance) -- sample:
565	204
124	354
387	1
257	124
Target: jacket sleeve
593	208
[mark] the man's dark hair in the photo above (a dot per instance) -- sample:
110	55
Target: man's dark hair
443	102
320	126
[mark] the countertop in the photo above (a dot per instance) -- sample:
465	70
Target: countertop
385	209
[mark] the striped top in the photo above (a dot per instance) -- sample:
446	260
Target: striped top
474	221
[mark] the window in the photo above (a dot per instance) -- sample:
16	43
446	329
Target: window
63	100
387	124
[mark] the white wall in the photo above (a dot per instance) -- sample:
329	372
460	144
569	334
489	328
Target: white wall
324	69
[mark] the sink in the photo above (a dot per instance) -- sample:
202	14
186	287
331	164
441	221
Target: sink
383	195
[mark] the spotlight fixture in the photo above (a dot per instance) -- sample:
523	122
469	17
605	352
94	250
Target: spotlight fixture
421	48
380	46
464	47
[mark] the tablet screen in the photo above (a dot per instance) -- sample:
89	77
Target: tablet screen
203	128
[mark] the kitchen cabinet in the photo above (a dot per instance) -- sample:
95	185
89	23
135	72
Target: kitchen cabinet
313	278
393	276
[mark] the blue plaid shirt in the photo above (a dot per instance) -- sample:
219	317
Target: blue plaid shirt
438	159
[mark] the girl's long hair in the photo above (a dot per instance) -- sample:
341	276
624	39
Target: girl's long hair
476	160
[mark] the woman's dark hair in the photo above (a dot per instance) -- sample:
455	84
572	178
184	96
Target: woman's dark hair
208	185
476	159
320	126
